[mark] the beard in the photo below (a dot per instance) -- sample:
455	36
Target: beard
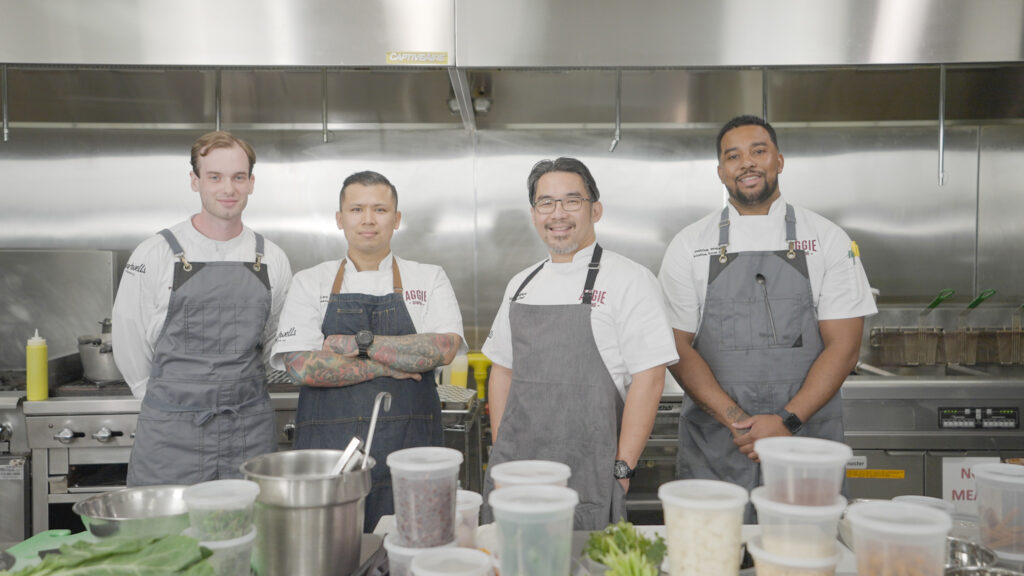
562	249
760	196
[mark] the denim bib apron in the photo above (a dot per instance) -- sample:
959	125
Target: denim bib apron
563	404
329	417
206	408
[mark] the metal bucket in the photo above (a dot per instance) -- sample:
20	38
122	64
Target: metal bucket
308	522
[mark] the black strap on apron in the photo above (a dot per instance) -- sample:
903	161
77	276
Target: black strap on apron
588	287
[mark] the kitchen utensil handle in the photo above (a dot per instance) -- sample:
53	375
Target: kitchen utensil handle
943	295
985	295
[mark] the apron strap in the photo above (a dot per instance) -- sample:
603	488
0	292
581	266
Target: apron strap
723	235
396	277
791	231
527	281
259	252
593	269
176	248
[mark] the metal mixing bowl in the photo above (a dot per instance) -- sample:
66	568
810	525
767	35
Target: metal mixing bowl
983	571
962	553
146	511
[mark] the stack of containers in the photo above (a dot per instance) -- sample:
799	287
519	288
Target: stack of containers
703	519
534	529
1000	489
220	513
424	482
799	505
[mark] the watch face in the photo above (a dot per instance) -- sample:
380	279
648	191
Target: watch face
364	338
622	469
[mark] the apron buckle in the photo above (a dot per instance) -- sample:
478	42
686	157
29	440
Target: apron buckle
722	258
259	259
792	250
185	264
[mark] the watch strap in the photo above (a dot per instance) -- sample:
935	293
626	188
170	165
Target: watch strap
791	421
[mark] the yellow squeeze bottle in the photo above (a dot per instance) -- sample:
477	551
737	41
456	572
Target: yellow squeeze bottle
37	383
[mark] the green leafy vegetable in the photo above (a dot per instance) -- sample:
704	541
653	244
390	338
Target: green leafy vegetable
625	552
167	556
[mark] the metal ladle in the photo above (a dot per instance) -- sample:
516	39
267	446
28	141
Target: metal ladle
346	456
386	398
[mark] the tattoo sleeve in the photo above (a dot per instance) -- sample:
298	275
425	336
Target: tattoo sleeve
319	368
413	353
735	414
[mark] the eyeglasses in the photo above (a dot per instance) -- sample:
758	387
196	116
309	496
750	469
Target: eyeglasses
571	204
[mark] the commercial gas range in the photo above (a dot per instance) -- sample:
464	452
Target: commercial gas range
15	483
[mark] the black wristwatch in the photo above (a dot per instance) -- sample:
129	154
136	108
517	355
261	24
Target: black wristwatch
791	421
363	339
622	470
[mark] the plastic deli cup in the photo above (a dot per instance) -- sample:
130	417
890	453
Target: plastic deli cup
467	519
230	557
424	481
534	525
530	472
769	564
1000	489
400	557
797	531
804	471
899	538
221	509
457	562
703	520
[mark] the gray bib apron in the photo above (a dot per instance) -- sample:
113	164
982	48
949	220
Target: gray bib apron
563	404
329	417
206	408
759	334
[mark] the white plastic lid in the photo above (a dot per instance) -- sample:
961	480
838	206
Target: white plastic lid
936	503
453	562
800	563
899	518
523	472
466	499
215	545
703	494
803	451
1012	474
221	495
761	501
393	548
424	459
37	340
533	499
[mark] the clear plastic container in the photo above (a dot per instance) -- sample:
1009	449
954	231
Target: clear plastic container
457	562
1000	489
937	503
400	557
534	527
770	564
797	532
703	520
424	481
530	472
467	508
899	538
802	471
230	557
221	509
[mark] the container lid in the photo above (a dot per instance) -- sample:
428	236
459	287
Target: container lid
999	472
937	503
425	459
899	518
761	501
533	499
391	545
454	562
520	472
466	499
802	451
800	563
221	495
215	545
703	494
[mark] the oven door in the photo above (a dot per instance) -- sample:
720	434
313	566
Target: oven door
14	500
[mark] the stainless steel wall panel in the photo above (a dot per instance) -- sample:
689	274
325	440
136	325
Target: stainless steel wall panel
1000	212
853	95
701	33
225	33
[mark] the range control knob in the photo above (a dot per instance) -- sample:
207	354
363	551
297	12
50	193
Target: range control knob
6	432
105	434
66	435
289	431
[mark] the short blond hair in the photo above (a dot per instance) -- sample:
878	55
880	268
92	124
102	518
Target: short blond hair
219	139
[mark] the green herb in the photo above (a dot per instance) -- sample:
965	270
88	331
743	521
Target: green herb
222	524
167	556
626	552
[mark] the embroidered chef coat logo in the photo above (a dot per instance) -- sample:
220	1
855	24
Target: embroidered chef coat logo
597	299
416	297
140	268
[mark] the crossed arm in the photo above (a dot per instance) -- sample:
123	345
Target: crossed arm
826	375
405	356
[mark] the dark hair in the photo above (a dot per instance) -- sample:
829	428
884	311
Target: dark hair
367	178
214	140
745	120
562	164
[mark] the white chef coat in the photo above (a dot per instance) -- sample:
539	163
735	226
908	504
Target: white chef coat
839	286
627	316
145	292
428	296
